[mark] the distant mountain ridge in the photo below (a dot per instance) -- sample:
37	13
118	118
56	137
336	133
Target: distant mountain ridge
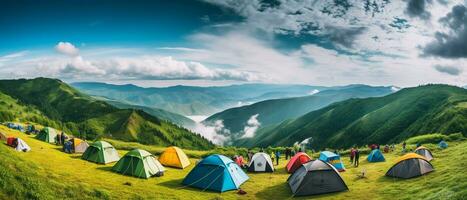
277	110
192	100
52	102
383	120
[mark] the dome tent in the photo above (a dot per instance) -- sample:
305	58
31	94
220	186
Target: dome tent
297	161
138	163
410	165
333	159
101	152
443	144
260	162
174	157
316	177
423	151
375	156
216	173
47	134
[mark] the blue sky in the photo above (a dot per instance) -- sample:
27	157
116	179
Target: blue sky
217	42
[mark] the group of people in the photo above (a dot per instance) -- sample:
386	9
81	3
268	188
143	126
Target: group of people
61	139
276	154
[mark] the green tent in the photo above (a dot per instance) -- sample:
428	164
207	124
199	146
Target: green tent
139	163
101	152
47	134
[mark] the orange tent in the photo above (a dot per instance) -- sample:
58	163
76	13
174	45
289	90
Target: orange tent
174	157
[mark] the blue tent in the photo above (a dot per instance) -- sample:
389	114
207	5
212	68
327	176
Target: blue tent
375	156
217	173
333	159
443	144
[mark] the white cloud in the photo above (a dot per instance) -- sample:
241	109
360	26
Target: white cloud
251	127
215	133
67	49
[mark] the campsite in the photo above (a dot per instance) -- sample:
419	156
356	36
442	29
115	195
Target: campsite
52	171
233	99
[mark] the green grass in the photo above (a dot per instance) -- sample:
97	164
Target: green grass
48	173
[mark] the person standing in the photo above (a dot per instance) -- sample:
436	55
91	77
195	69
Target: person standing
250	155
278	155
403	147
357	157
352	154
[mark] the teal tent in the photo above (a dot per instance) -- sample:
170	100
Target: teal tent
443	144
333	159
375	156
216	173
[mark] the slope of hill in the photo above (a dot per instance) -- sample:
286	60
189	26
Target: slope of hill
63	107
190	100
277	110
45	173
393	118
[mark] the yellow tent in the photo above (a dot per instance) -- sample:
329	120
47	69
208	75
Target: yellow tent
174	157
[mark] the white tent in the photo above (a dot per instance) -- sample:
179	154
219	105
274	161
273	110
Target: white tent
260	162
22	146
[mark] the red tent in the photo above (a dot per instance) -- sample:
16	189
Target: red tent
297	161
10	141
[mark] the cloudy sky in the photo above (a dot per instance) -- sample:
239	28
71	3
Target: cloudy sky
218	42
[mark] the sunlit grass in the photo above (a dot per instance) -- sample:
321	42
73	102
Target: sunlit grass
48	173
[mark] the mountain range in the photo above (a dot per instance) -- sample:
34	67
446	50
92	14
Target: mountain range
383	120
52	102
192	100
277	110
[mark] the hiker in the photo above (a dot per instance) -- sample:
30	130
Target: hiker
63	138
250	155
57	139
352	154
286	153
273	156
292	153
403	146
357	157
278	155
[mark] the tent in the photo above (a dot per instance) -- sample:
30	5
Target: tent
316	177
139	163
443	144
174	157
47	134
375	156
410	165
260	162
333	159
423	151
78	145
22	146
3	136
101	152
15	126
297	161
217	173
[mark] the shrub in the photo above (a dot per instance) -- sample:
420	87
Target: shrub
434	138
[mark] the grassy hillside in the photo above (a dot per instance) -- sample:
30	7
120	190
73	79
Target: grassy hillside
48	173
189	100
54	103
277	110
393	118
